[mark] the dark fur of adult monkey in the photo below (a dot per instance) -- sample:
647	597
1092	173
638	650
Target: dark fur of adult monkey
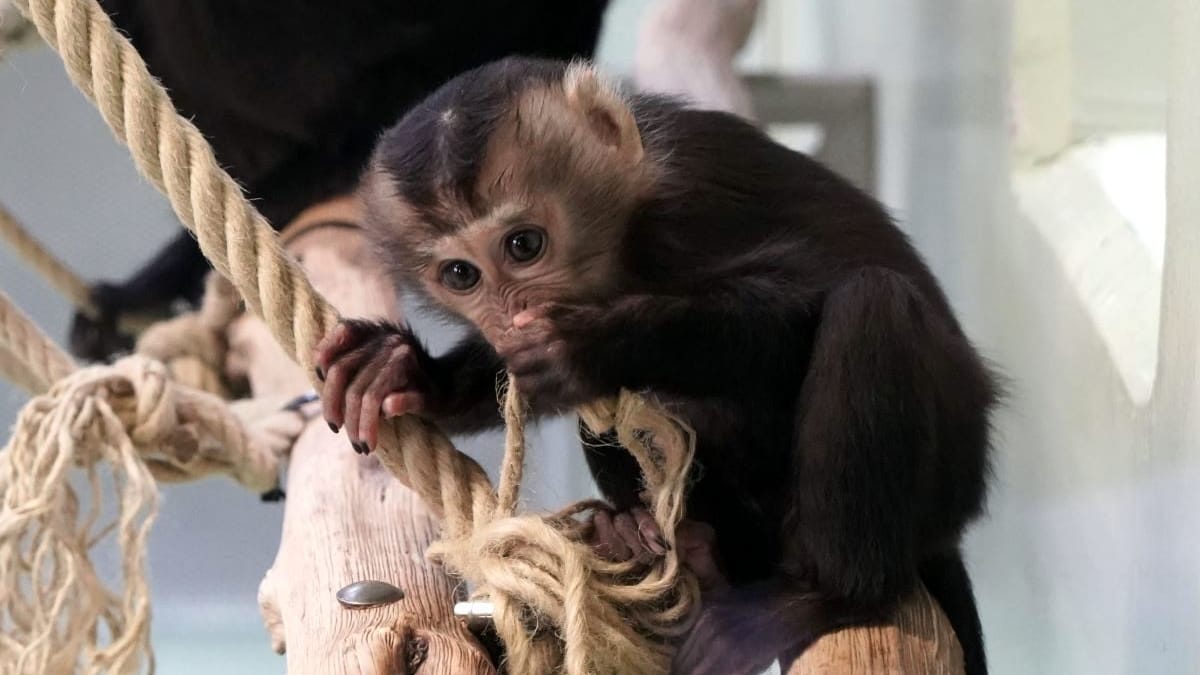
293	95
593	241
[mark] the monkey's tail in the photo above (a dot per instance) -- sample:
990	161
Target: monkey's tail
945	577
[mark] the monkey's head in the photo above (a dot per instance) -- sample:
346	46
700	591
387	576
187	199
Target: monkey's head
508	188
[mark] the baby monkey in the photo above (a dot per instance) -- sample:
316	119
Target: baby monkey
594	241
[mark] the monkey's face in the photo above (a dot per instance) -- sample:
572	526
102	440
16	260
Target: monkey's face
506	192
520	254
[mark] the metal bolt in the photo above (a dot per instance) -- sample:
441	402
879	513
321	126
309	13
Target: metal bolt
370	593
474	609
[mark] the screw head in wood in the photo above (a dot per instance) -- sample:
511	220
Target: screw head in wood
369	593
476	615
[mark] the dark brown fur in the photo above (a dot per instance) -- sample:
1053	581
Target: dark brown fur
840	412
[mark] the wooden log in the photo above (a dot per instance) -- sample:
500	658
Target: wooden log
918	641
346	519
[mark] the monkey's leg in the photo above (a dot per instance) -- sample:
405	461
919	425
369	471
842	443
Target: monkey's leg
891	431
892	423
892	396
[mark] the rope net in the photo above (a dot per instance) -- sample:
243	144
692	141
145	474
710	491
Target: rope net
128	426
558	607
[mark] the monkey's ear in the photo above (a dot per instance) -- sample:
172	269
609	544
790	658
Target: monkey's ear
607	114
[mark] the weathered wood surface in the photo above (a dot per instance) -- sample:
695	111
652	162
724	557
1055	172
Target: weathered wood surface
919	641
346	519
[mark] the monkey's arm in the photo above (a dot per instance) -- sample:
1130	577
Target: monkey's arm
717	342
887	468
466	380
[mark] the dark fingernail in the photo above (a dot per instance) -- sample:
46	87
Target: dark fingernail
320	373
362	448
332	427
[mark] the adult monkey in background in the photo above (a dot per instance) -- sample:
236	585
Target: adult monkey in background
593	242
293	96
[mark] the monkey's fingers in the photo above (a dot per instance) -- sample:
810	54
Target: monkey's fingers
361	402
333	345
627	529
529	316
533	354
396	371
338	376
529	335
370	406
649	531
606	542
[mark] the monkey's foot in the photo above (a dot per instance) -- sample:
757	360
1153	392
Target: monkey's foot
634	535
622	536
369	369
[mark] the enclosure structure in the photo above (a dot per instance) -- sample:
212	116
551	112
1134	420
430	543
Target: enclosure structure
343	511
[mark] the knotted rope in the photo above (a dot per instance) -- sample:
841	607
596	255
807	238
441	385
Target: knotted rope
194	345
132	418
536	571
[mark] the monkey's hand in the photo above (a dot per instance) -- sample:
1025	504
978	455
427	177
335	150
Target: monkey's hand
627	535
371	368
548	351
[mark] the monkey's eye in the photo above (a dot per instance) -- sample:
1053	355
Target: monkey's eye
525	245
459	275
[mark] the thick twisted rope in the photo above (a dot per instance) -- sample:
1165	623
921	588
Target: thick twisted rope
28	357
540	572
194	345
173	155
